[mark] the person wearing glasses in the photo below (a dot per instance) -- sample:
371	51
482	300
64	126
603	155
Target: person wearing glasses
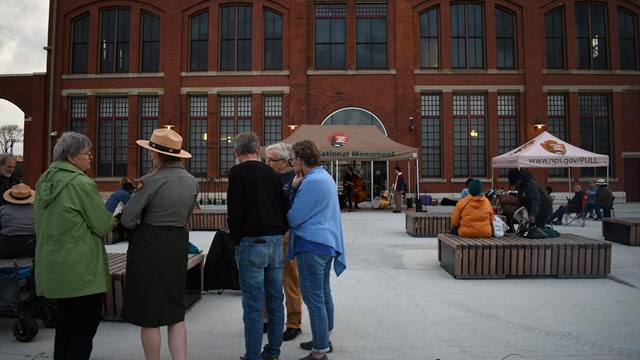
71	262
279	158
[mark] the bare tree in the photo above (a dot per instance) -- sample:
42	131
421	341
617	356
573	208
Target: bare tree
9	136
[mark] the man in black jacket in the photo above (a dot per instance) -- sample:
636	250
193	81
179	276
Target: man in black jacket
257	217
531	196
7	177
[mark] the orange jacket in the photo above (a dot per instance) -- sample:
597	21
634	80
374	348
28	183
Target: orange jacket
473	215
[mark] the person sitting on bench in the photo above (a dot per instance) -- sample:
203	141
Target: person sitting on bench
17	224
473	215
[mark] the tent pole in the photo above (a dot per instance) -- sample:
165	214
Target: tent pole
417	183
371	182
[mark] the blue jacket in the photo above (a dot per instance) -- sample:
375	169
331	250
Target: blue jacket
315	215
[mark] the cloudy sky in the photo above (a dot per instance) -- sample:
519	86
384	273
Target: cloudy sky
23	33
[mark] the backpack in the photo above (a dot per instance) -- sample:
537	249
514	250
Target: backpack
220	268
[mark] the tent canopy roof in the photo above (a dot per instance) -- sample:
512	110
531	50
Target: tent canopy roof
352	142
547	151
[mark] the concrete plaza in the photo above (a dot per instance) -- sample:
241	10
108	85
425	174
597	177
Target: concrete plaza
394	301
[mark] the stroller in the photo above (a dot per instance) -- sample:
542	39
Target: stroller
18	299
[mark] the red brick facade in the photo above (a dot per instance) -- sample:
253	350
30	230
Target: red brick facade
310	95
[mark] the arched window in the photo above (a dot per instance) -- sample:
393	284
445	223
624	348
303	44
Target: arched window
354	116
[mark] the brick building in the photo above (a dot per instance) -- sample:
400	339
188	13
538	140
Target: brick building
463	81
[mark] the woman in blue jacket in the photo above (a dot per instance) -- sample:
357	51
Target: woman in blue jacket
316	241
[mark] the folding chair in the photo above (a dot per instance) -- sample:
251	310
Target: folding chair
575	214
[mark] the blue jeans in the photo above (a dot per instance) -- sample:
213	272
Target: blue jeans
597	207
260	264
314	271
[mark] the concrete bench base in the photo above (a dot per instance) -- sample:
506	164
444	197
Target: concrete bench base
565	256
622	231
117	269
427	224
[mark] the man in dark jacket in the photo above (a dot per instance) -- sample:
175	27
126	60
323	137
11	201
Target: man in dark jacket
7	177
531	196
257	218
573	205
601	201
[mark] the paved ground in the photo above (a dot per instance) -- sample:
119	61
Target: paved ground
394	301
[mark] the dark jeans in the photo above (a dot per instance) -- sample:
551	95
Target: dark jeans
77	323
558	214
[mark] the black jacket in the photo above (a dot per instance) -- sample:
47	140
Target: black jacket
533	197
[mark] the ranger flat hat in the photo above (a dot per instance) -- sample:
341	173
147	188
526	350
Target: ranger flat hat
165	141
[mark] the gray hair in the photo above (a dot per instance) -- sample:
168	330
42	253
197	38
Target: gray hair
70	143
247	143
284	150
6	157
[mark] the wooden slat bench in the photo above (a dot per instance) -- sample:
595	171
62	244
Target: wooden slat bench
565	256
427	224
9	263
208	220
623	231
118	267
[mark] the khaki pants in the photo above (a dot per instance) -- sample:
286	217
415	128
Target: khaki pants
291	285
397	199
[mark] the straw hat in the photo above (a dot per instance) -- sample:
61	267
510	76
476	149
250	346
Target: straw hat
19	194
601	182
165	141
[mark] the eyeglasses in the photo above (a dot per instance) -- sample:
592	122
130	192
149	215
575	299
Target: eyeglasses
270	160
88	154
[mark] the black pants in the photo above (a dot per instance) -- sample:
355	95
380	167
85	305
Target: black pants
77	323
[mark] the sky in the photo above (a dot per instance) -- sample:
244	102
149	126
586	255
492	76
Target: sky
23	33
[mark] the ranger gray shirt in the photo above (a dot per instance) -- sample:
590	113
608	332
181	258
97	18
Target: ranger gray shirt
166	199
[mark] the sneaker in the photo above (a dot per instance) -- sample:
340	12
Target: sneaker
556	222
309	344
310	357
291	334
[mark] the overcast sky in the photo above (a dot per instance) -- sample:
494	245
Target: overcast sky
23	33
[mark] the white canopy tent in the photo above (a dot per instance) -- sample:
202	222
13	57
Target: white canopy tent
547	151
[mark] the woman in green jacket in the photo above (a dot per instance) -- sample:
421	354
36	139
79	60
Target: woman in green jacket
71	261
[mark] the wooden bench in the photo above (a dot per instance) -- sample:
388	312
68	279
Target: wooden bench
565	256
9	263
208	220
623	231
427	224
117	269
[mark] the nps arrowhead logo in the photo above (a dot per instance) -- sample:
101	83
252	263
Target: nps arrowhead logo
338	139
554	147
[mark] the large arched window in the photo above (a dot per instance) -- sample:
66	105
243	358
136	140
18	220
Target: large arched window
354	116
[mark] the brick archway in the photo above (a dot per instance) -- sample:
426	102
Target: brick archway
28	93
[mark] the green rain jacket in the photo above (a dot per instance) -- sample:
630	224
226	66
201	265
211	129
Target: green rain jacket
71	220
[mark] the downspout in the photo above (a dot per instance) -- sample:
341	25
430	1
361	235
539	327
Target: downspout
52	58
